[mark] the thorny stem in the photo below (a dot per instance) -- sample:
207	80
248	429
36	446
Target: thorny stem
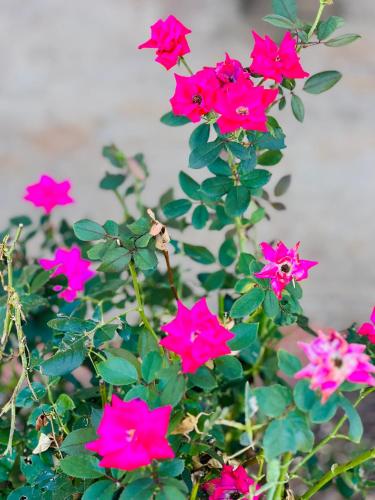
170	274
336	471
139	300
183	61
333	435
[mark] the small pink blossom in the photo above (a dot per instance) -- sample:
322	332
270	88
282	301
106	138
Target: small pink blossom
284	266
131	435
368	329
243	106
332	361
196	336
230	71
275	62
195	95
48	193
169	39
232	481
70	264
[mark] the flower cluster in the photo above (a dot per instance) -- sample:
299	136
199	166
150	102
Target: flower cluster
227	90
333	361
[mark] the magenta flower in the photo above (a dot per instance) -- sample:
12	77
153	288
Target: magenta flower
131	435
231	482
284	266
275	62
195	95
196	336
230	71
243	106
368	329
332	361
70	264
169	39
48	193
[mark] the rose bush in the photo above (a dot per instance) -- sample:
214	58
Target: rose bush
120	380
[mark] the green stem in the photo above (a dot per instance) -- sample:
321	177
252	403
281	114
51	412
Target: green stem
240	234
333	434
122	203
138	297
279	493
317	19
194	491
189	70
336	471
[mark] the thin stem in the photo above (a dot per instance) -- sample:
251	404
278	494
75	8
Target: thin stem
240	234
317	19
336	471
282	478
189	70
170	274
138	297
122	203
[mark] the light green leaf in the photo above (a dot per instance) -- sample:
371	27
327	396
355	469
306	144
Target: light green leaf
117	371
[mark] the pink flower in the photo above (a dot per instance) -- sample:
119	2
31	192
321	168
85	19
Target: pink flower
230	482
275	62
48	193
169	39
131	435
196	336
284	267
70	264
243	106
230	71
368	329
195	95
332	361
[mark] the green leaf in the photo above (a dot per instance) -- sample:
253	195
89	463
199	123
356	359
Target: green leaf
82	466
342	40
247	304
282	185
355	423
65	361
330	25
237	201
64	403
273	400
151	365
288	363
114	155
145	259
199	254
200	217
173	391
171	468
140	226
88	230
40	280
321	82
111	181
115	260
205	154
220	167
111	227
173	120
285	8
215	187
271	304
240	151
25	397
117	371
177	208
189	186
199	136
304	397
204	379
298	108
103	490
213	281
70	324
279	21
74	443
229	367
270	158
255	179
227	252
245	335
140	489
324	412
21	219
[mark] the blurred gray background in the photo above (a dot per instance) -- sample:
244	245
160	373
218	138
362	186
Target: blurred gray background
72	80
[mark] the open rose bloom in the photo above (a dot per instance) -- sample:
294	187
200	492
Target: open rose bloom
234	482
48	193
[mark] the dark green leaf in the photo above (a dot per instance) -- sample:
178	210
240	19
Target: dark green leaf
173	391
304	397
101	490
88	230
279	21
117	371
111	181
298	108
115	260
171	468
320	82
177	208
82	466
199	136
114	155
140	489
151	365
271	304
256	179
220	167
205	154
285	8
189	186
329	26
237	201
215	187
342	40
227	252
74	443
229	367
324	412
65	361
145	259
199	254
245	335
240	151
282	185
288	363
213	281
204	379
247	304
270	158
173	120
273	400
355	423
200	217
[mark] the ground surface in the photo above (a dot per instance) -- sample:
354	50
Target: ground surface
72	80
